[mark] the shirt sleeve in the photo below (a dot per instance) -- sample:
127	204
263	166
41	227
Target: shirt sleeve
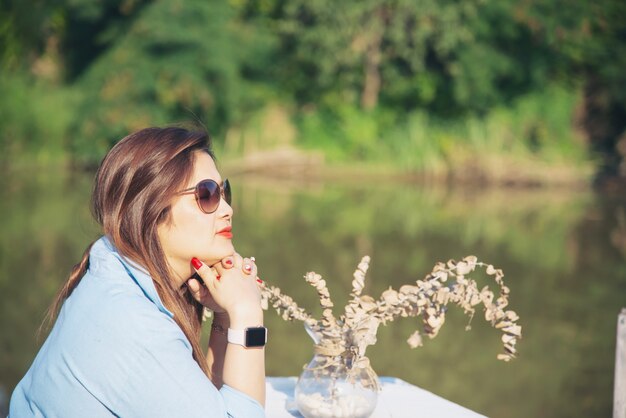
239	404
146	368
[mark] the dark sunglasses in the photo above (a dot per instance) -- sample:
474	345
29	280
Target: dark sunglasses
208	194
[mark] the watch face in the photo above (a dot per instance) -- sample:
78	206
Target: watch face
256	337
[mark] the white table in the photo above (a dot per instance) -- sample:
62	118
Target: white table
398	399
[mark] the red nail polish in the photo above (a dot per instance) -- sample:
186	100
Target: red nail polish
228	262
197	264
259	281
218	277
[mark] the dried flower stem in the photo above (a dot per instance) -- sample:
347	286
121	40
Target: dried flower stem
355	330
284	305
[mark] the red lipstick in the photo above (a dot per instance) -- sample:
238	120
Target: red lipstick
226	232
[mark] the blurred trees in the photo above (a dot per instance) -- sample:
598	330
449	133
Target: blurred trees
589	39
176	60
122	64
441	55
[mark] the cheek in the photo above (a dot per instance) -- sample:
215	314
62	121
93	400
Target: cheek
193	235
208	247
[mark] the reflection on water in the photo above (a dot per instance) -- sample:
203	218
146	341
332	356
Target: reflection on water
563	255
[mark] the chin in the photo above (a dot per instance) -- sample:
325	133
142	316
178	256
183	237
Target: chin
216	254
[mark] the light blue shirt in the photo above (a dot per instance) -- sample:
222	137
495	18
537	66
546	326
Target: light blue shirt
116	351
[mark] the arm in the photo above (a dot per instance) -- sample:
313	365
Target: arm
145	367
239	299
217	348
244	368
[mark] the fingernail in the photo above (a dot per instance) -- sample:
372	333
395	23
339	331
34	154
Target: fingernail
197	264
247	267
228	262
218	277
259	281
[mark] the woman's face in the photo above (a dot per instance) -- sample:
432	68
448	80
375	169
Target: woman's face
189	232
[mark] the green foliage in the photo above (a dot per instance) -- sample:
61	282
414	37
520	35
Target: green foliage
177	61
93	27
589	39
444	56
34	122
345	133
25	26
535	128
367	78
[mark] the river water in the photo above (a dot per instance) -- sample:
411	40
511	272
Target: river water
563	254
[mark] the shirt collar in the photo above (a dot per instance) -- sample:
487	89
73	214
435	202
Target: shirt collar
104	250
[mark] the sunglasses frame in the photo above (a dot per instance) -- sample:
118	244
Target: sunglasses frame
222	190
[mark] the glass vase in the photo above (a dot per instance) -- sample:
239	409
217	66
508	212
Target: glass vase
334	387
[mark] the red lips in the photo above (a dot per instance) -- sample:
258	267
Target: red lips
226	232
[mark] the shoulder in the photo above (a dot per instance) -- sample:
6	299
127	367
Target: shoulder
123	348
113	309
113	314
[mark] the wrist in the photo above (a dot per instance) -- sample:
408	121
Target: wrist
219	329
221	323
221	318
244	318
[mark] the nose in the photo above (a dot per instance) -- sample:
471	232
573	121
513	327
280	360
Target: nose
224	210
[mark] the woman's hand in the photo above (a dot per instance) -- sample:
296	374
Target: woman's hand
231	287
200	292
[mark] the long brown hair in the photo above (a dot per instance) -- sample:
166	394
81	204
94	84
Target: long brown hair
133	190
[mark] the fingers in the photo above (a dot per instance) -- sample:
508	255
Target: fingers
228	262
249	267
233	262
206	273
198	291
245	265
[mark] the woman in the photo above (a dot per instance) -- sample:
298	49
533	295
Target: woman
126	341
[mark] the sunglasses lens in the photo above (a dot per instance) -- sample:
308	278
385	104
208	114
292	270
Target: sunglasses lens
208	194
227	194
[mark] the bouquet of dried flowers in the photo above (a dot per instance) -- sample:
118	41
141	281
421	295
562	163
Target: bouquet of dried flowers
348	336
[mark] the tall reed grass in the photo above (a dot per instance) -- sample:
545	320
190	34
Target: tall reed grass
532	140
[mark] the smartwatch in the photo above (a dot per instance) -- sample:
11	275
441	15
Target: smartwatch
248	337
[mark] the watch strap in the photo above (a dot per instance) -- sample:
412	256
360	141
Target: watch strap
237	336
248	337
